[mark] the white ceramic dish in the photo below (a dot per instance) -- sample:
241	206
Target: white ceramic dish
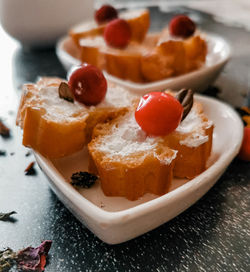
116	219
218	55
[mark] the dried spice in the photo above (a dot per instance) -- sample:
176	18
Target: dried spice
34	259
212	91
30	170
7	259
28	154
4	131
65	93
185	97
6	216
2	152
83	179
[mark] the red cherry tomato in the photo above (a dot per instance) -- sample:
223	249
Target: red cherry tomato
88	84
245	147
158	113
117	33
105	14
181	26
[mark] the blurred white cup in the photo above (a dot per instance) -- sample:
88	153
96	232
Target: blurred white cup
39	23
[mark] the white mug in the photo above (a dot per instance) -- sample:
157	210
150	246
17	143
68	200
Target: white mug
39	23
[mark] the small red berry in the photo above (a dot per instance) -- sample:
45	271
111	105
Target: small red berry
158	113
88	84
117	33
105	13
182	26
245	147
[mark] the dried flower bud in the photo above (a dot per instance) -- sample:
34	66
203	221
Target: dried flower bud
83	179
185	97
65	93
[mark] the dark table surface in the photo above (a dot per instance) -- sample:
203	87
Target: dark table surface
212	235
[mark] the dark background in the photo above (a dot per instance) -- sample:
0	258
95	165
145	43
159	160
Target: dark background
212	235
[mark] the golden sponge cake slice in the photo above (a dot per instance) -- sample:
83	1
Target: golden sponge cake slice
157	57
122	63
193	141
55	127
130	163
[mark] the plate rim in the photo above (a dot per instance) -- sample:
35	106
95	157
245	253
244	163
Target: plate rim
62	54
109	218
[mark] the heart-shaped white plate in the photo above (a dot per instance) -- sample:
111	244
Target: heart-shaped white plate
217	57
116	219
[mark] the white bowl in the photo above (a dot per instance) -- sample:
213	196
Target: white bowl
116	219
41	22
218	55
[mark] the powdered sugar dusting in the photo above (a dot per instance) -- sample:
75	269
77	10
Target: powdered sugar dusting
57	108
117	96
96	41
167	160
194	140
128	138
195	126
132	13
61	110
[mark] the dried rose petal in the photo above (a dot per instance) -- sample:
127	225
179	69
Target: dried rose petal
34	259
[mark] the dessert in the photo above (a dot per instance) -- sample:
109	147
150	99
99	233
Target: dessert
138	21
178	49
56	127
156	58
123	63
131	163
134	147
173	56
128	162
